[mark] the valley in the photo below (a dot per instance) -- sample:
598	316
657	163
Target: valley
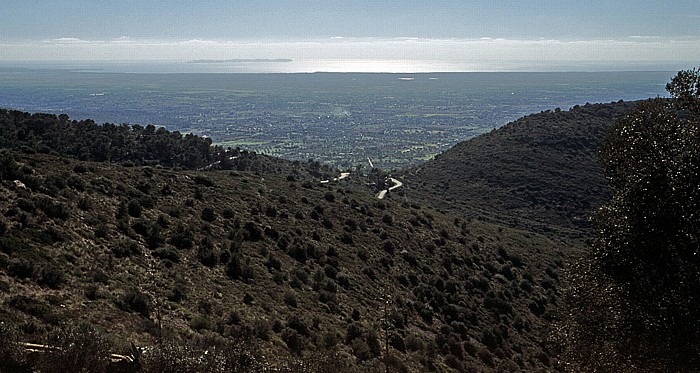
337	119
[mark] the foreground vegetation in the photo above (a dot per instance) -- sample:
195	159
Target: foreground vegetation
304	272
634	297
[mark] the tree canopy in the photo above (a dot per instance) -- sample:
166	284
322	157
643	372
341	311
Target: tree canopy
644	273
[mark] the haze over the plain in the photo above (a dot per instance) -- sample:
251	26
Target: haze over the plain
387	36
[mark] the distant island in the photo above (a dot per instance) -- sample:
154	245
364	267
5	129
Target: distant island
243	60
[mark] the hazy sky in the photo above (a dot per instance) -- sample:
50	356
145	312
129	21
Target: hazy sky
362	35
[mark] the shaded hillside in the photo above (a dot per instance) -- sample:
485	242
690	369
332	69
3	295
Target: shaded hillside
540	172
302	272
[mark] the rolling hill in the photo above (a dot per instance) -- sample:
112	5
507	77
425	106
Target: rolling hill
540	173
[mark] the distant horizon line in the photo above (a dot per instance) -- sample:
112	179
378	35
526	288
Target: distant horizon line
141	66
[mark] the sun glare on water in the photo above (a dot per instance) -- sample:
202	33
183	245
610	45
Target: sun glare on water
375	66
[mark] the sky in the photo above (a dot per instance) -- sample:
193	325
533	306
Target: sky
359	35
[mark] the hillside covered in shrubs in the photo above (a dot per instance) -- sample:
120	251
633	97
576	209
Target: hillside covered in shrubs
541	172
257	266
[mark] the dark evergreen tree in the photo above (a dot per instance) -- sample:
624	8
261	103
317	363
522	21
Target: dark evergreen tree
635	301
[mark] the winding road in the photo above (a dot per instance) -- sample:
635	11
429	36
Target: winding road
397	184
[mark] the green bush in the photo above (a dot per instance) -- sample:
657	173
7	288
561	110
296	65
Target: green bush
200	322
183	238
136	301
125	248
167	253
51	276
53	209
207	256
360	349
238	268
21	268
9	245
202	180
26	205
33	307
228	213
295	342
208	214
134	208
290	299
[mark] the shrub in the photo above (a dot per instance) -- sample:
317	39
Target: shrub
134	208
208	214
298	252
80	169
203	354
125	248
204	181
360	349
294	341
273	262
252	232
136	301
33	307
154	237
182	239
207	256
413	343
327	223
248	299
228	213
237	268
76	183
299	324
51	276
498	304
388	219
9	245
330	271
290	299
375	347
397	342
52	209
346	238
26	205
12	357
454	363
200	322
167	253
85	203
261	329
21	268
485	356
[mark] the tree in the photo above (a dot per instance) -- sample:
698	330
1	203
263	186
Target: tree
644	273
685	87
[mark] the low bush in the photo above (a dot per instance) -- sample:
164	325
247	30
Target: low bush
167	253
135	300
52	276
125	248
